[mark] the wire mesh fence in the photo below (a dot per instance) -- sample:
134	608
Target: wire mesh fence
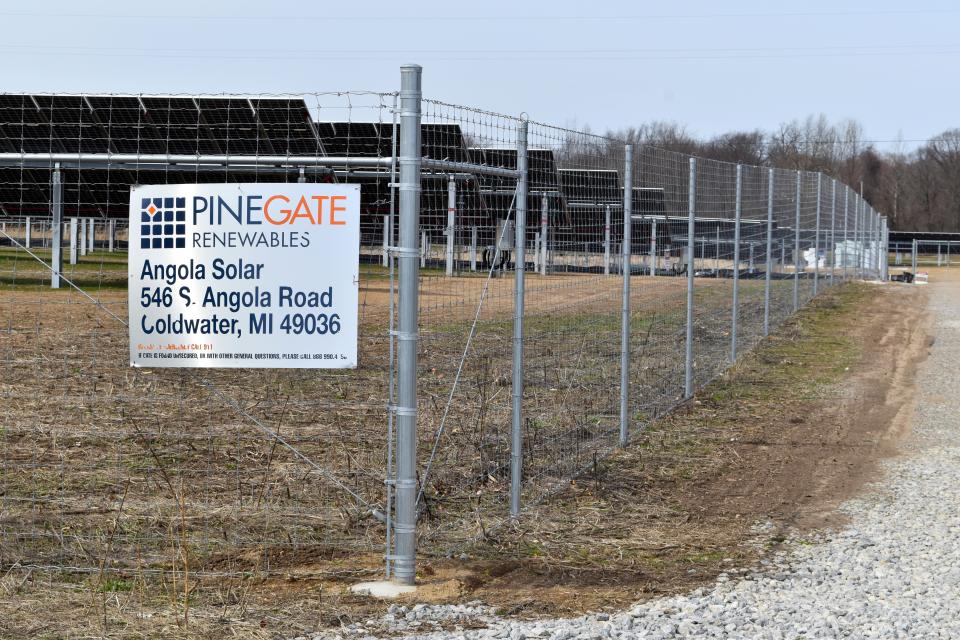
929	253
541	253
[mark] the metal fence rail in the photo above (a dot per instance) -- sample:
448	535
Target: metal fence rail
531	298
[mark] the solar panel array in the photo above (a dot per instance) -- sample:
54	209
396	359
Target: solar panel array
256	126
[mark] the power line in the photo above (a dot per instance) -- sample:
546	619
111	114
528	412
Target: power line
453	55
493	17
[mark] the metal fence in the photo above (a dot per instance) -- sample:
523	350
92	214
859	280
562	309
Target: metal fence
919	254
531	297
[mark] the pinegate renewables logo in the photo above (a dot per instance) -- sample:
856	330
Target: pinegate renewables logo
163	223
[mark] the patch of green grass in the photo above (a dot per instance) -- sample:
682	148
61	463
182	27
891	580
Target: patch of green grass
705	557
115	585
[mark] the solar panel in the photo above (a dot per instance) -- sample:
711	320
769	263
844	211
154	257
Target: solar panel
593	186
156	125
180	125
439	141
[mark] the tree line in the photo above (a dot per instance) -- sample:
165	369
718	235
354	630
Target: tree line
917	190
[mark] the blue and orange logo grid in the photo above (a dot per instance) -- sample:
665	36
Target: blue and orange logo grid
163	223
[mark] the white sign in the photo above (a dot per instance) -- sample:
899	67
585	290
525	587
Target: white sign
244	275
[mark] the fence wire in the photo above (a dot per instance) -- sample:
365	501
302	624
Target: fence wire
177	472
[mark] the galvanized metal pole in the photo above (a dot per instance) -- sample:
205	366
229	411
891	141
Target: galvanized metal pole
716	251
846	227
877	254
111	235
833	231
913	258
473	248
691	229
26	233
56	206
83	237
625	302
796	249
536	252
736	264
544	221
816	239
766	279
606	242
405	535
885	256
73	241
516	429
386	241
653	247
91	236
860	233
451	222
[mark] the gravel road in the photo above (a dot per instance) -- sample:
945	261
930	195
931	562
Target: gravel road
893	572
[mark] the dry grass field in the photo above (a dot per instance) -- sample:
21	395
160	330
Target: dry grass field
172	483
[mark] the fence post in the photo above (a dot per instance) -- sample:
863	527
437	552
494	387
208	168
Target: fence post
716	252
625	303
913	257
885	251
736	264
536	252
653	247
451	222
56	228
861	233
73	241
877	237
796	249
386	241
111	233
856	236
606	242
405	536
516	433
423	249
766	279
691	230
846	227
816	239
544	223
833	231
473	248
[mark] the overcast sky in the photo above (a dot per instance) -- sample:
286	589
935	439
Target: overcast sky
713	66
